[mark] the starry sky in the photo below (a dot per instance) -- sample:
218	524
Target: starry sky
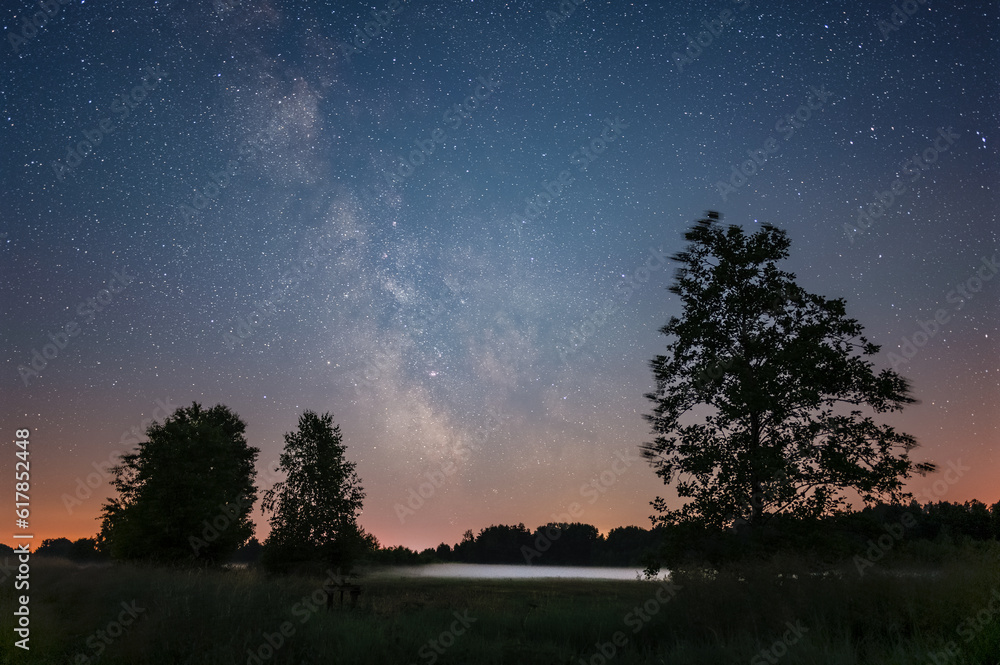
450	231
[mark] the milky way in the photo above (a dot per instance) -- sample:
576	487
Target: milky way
449	225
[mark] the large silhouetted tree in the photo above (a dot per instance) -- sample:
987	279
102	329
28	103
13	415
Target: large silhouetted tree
761	399
186	492
314	511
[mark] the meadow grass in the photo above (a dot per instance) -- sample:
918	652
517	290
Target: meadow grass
896	615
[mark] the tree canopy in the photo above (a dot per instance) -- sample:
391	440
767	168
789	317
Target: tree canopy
186	492
763	399
314	511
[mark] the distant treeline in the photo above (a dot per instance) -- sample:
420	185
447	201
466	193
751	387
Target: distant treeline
835	536
83	550
922	532
551	544
832	537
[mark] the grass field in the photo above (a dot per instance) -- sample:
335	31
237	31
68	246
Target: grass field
130	614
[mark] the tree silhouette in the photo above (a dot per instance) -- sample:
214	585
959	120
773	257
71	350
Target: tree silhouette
186	493
502	544
314	511
56	547
757	401
560	543
82	549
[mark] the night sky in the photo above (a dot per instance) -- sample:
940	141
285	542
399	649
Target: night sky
451	234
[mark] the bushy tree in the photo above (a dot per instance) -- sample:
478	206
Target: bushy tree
502	544
55	547
314	511
559	543
81	550
85	549
758	400
628	545
185	494
465	550
443	552
249	553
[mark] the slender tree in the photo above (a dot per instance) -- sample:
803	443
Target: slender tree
759	399
186	492
314	511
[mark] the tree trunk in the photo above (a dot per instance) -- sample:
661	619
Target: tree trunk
756	485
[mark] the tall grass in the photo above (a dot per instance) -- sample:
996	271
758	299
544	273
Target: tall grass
898	615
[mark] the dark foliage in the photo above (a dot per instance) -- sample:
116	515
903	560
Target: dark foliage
82	550
551	544
186	493
831	539
764	399
314	511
